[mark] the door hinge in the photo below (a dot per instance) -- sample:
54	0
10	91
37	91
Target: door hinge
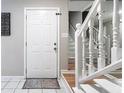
25	43
58	13
26	17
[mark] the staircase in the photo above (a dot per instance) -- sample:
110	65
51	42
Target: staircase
100	86
96	59
71	47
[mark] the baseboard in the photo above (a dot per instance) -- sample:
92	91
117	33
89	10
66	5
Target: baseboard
12	77
66	85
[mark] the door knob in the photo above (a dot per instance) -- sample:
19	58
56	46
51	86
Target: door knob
55	48
54	43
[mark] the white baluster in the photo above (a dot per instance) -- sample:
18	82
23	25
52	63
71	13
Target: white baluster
78	55
84	54
101	58
109	49
116	23
107	45
105	31
91	46
115	51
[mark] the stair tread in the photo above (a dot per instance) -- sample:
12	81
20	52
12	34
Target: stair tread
108	85
76	90
88	88
119	80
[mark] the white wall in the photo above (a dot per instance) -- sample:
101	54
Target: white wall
78	5
75	17
12	46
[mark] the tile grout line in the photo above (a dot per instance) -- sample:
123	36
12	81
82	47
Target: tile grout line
56	90
16	86
5	84
28	91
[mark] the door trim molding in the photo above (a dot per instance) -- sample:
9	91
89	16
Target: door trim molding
25	39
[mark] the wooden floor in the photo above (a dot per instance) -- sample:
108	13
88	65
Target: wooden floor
71	64
70	78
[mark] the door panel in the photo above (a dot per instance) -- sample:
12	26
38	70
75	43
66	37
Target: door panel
41	36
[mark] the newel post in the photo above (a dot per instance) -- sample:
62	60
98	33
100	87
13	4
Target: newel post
115	51
91	46
78	55
101	58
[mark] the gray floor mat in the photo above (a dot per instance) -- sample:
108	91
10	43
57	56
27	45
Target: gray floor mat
41	84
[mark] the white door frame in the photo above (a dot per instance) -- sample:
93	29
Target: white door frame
25	39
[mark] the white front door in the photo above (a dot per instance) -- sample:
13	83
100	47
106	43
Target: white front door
42	29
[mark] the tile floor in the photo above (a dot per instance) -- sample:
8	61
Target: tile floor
12	85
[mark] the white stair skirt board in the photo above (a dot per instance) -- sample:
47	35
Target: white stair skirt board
88	88
108	85
66	85
76	90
